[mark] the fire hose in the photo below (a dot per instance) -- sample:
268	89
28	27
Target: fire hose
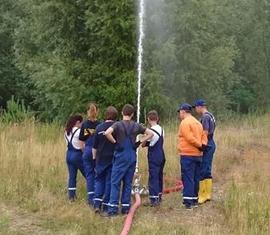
137	191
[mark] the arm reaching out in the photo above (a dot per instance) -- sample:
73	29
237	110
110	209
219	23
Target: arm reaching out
148	135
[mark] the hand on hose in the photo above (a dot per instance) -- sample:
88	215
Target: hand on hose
137	144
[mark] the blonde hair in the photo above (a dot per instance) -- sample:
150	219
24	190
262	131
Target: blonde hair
93	111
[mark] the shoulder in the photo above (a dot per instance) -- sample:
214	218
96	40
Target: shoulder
98	122
85	123
75	129
205	116
157	128
95	124
185	121
116	124
108	124
208	116
192	119
139	125
100	126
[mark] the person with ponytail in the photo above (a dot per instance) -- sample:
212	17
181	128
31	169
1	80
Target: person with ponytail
74	153
86	137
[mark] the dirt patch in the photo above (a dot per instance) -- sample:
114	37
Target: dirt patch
21	221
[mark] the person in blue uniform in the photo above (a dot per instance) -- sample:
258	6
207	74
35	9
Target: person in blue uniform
87	140
156	159
125	133
74	153
209	124
103	151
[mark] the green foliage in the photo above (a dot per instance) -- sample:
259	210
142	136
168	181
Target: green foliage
15	112
59	55
12	82
76	52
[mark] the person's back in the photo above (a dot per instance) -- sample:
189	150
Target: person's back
72	139
87	136
157	140
103	146
125	133
74	153
156	159
209	124
191	137
103	151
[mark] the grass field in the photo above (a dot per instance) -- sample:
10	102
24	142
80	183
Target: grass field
33	186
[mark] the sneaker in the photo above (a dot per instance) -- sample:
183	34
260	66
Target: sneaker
188	207
72	199
97	211
155	204
147	204
124	212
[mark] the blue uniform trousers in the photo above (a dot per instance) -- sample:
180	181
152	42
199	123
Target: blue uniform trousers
122	171
190	172
74	163
206	167
102	187
89	169
156	164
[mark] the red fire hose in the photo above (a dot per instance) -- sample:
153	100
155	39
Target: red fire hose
178	185
129	218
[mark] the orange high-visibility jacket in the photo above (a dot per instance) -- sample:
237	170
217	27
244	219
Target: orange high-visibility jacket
190	137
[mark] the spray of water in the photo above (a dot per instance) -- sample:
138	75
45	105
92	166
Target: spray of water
140	55
139	74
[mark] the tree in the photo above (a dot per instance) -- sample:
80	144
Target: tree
76	52
12	82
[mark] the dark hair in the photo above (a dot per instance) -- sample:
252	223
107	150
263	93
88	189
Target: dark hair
153	115
111	113
128	110
71	123
92	107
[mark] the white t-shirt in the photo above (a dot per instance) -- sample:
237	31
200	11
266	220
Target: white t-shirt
155	138
75	140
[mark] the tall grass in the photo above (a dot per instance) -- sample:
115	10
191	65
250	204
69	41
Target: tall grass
33	177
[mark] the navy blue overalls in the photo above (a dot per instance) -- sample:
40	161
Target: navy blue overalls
156	162
89	169
123	169
208	153
102	186
74	162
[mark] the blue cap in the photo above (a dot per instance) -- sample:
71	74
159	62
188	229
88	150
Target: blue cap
184	106
199	102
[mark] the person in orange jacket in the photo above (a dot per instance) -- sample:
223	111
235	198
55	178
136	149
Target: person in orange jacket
192	141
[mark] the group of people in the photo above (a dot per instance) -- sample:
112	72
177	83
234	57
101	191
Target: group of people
105	154
196	148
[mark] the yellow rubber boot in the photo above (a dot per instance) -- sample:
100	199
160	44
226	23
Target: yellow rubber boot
202	192
208	189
